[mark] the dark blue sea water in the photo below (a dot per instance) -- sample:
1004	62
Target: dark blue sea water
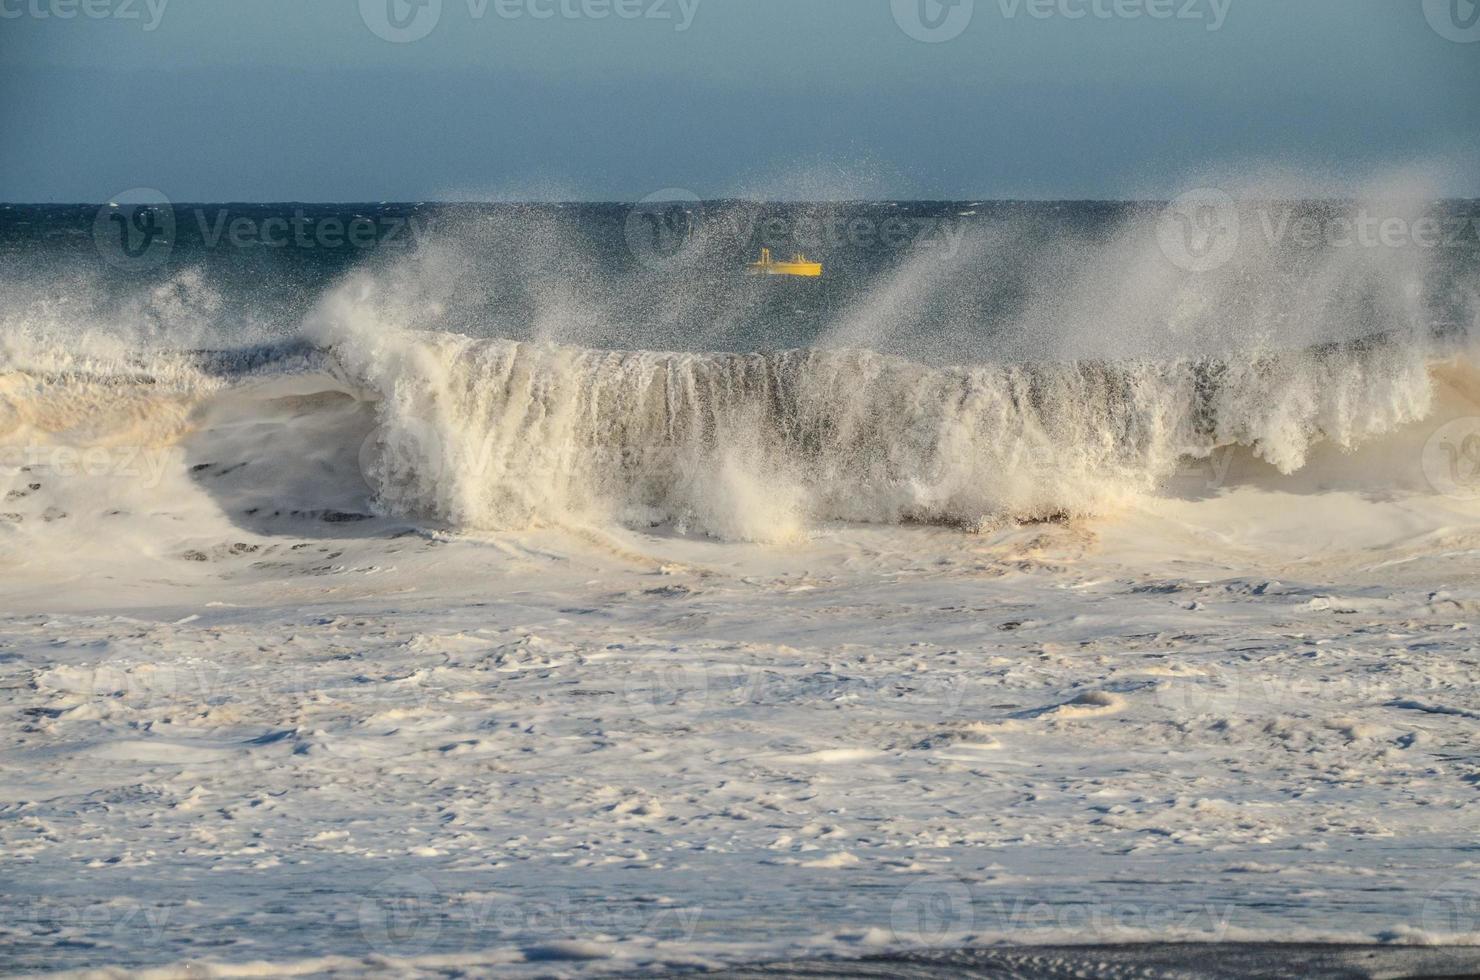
941	281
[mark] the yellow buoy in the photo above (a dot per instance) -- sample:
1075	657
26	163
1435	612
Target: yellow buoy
798	266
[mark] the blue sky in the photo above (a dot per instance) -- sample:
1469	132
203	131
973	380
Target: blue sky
303	100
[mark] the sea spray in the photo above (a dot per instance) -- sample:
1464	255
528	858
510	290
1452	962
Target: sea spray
522	368
499	433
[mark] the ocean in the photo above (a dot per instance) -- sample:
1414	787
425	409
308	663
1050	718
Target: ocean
430	588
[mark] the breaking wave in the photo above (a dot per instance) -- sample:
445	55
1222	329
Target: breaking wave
498	433
494	434
1029	375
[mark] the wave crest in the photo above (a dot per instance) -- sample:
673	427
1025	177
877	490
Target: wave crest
497	433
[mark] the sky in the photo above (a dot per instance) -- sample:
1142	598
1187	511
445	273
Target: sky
331	100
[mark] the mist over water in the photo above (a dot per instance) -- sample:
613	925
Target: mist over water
964	362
